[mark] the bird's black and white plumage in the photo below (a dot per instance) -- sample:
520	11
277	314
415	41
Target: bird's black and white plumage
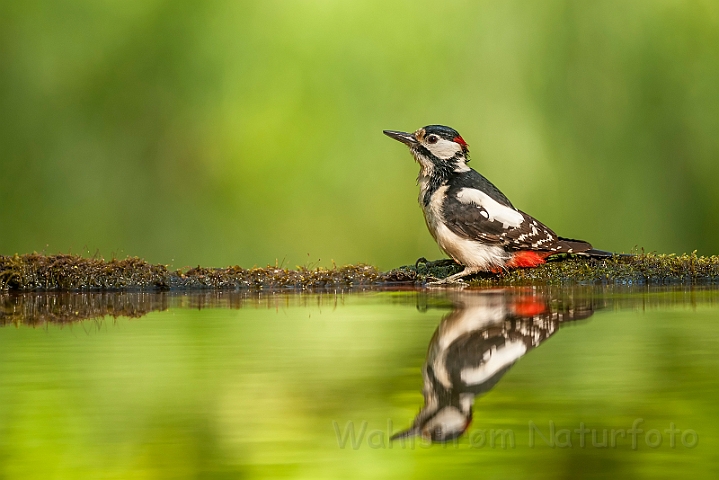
474	346
470	218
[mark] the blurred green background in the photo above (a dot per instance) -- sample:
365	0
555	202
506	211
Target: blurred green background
226	132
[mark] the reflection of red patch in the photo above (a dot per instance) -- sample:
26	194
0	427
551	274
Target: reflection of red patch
467	424
527	259
529	307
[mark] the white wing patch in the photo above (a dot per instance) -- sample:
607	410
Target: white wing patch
508	217
495	360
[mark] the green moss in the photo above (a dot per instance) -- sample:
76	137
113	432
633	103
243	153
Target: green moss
35	272
641	269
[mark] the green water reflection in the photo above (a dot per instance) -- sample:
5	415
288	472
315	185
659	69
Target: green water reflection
229	385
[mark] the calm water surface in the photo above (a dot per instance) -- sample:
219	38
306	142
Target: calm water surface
516	383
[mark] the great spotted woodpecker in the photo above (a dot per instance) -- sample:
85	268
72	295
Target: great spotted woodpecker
471	219
474	346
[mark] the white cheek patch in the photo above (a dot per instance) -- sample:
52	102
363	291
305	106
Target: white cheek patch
449	419
444	149
508	217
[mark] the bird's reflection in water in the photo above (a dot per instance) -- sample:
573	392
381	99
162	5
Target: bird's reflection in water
475	345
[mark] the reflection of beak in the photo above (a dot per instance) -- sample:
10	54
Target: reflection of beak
406	138
405	434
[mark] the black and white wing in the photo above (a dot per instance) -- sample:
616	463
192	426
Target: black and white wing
471	213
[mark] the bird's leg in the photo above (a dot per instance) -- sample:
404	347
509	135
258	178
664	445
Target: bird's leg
457	277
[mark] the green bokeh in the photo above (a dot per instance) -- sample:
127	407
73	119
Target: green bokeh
227	132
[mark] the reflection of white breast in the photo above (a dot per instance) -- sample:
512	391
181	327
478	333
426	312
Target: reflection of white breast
481	313
498	359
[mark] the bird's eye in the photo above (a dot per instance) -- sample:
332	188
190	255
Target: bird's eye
432	139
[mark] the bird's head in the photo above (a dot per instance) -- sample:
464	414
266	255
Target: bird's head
438	425
435	146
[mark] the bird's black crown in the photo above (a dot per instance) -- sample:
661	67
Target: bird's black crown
447	133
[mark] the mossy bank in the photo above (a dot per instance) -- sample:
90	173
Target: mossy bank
36	272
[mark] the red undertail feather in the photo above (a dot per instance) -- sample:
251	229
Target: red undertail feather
527	259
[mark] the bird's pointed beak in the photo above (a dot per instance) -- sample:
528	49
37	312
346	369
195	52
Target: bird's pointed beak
411	432
406	138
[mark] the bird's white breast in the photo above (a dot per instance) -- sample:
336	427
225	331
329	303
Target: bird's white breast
468	252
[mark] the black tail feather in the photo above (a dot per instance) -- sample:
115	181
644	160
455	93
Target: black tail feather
570	245
594	253
580	247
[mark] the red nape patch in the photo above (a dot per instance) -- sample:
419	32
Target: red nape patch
527	259
529	307
461	141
